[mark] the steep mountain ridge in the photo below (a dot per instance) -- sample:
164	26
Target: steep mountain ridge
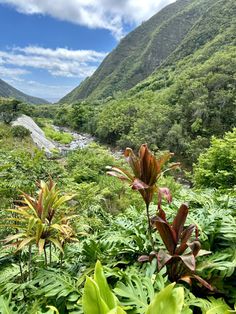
143	50
188	99
217	17
178	107
8	91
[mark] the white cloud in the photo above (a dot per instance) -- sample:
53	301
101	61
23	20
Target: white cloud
106	14
17	62
58	62
11	72
63	53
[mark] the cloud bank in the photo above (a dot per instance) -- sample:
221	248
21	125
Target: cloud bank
58	62
16	63
105	14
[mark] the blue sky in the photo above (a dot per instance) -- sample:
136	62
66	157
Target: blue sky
47	47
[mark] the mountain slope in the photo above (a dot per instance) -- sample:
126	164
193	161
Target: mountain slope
8	91
143	50
183	103
178	107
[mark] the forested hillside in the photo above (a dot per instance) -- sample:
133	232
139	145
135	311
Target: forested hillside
175	32
179	107
8	91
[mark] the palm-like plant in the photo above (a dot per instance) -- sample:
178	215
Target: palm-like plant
38	221
147	169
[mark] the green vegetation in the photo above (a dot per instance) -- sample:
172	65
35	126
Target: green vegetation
39	223
55	235
61	137
74	239
21	165
98	298
20	131
8	108
173	33
177	109
217	166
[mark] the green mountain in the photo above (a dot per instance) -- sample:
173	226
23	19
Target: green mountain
8	91
174	32
186	100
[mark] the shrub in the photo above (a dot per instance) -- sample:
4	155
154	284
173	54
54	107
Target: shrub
20	131
217	166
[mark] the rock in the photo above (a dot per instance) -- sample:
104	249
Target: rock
37	134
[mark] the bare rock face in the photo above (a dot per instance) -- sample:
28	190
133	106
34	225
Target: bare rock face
37	134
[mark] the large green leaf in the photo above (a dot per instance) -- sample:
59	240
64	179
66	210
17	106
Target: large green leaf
168	301
5	307
135	292
104	289
92	300
117	310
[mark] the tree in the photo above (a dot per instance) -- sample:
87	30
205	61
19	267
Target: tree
217	166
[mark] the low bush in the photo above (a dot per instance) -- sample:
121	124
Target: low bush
20	131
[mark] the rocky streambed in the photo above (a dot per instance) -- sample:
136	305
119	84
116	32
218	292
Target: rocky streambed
39	138
80	140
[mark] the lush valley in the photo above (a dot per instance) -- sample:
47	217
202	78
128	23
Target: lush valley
177	108
90	230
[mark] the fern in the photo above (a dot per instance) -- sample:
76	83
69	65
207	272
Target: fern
211	306
137	287
57	288
55	284
221	263
9	273
5	307
135	293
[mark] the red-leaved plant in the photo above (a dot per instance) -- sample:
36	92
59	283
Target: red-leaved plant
147	169
181	254
181	250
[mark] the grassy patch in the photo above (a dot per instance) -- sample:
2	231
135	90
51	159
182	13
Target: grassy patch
61	137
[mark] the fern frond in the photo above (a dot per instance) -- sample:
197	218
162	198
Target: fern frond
56	284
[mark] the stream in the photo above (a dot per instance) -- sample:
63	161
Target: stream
48	145
80	140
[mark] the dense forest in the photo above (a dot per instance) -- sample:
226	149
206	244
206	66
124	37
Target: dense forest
176	108
140	218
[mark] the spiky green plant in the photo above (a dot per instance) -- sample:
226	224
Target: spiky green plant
38	222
